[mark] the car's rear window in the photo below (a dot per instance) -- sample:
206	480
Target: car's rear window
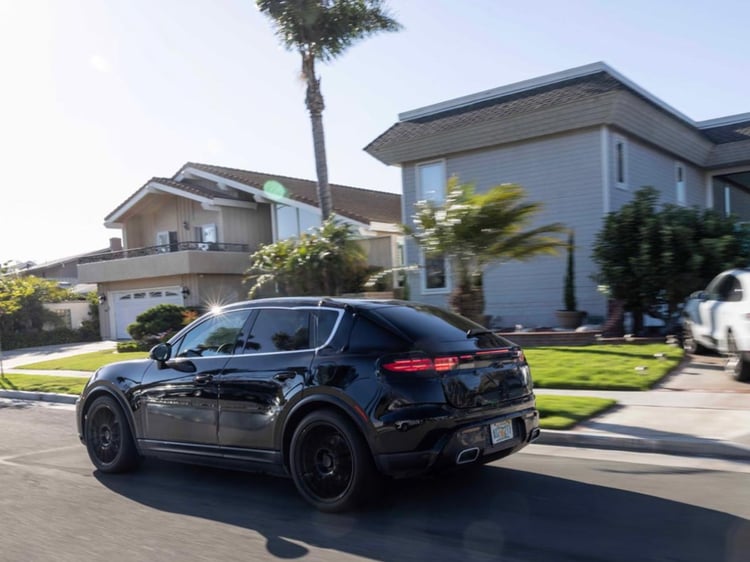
428	323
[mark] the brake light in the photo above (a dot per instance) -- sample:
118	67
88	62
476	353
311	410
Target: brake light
439	364
409	365
445	363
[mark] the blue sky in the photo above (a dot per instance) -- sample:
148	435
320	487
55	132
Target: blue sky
99	96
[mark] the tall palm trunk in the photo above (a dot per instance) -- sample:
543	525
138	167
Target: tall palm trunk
315	105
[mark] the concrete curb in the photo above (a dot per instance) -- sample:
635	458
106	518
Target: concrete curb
689	446
39	396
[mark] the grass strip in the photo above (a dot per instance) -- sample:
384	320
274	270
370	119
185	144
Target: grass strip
563	412
43	383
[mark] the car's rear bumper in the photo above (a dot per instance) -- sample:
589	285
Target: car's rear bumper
463	445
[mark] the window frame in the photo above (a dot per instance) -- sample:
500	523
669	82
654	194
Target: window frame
620	156
418	180
313	336
680	173
423	276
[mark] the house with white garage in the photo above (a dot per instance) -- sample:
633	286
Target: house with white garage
581	142
186	240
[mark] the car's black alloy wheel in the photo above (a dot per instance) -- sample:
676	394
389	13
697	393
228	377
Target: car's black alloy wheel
330	463
108	438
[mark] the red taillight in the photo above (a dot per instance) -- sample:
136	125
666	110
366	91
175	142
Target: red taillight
439	364
445	363
409	365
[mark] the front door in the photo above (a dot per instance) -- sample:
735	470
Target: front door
178	401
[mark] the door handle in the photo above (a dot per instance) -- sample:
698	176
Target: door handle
281	377
203	379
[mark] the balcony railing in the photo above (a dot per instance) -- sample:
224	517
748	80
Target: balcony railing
165	248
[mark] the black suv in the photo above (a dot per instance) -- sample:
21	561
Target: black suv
334	392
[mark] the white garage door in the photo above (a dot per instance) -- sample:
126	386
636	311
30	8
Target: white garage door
128	305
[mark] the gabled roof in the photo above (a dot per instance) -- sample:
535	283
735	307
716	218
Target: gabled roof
190	190
199	182
362	205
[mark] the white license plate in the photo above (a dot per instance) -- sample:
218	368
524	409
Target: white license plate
501	431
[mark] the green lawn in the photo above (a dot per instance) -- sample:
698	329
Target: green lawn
563	412
85	361
602	367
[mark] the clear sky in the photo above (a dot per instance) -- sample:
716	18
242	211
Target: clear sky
98	96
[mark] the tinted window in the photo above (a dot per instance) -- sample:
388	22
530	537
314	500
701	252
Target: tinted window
420	322
424	323
278	329
325	322
368	336
735	290
216	335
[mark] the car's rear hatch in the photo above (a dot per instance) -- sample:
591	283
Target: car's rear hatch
477	367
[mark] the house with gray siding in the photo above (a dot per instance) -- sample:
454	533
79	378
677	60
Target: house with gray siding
581	142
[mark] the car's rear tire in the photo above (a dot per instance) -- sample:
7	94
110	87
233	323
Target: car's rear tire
737	361
109	441
331	463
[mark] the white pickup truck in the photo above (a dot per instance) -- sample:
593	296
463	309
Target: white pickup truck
718	319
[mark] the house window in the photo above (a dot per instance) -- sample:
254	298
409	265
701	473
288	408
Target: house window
727	201
621	162
293	221
431	182
435	274
206	233
679	177
166	241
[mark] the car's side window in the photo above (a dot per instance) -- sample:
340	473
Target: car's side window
734	293
324	322
278	329
217	335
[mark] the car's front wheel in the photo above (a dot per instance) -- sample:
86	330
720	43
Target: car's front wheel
737	362
330	462
109	441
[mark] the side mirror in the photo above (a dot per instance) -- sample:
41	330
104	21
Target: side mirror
161	352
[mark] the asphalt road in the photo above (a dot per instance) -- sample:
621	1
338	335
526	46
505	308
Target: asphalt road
550	504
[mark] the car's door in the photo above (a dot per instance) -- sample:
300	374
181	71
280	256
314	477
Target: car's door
717	305
258	383
705	329
178	399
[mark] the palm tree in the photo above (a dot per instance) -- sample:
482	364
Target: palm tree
472	230
323	30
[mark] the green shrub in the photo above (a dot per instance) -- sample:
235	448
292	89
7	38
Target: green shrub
130	346
158	323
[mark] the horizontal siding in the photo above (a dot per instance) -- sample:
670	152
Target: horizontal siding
656	127
648	166
730	154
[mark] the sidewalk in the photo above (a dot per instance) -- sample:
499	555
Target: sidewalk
697	411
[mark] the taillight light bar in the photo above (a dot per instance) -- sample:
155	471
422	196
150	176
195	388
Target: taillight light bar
443	364
422	364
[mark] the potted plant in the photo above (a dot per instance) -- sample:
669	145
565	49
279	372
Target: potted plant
570	317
